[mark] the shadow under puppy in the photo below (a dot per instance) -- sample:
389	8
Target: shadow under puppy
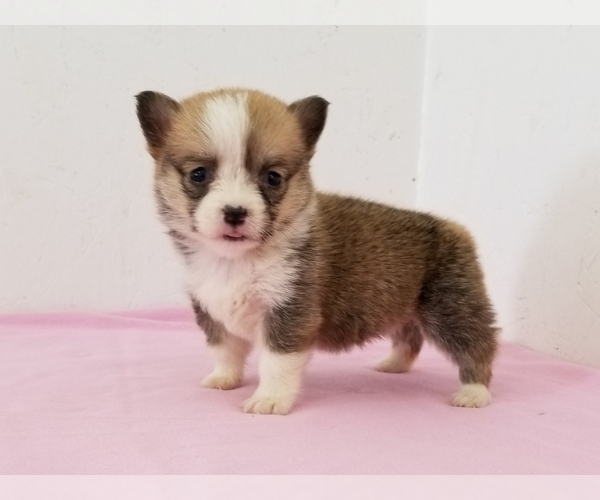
271	261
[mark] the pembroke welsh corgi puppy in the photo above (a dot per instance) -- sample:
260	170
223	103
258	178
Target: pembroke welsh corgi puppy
272	261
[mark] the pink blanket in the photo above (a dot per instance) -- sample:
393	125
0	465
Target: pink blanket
121	394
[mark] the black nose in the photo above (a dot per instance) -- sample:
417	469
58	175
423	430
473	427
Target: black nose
234	216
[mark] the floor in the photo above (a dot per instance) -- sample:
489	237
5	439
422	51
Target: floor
121	394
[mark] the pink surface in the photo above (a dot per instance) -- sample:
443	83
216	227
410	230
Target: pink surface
120	393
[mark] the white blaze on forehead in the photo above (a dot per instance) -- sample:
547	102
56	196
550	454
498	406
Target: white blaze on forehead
226	122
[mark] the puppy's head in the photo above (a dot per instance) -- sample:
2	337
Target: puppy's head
231	165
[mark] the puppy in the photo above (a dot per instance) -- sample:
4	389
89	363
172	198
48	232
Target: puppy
271	261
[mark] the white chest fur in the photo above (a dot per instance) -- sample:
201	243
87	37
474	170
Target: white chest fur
238	292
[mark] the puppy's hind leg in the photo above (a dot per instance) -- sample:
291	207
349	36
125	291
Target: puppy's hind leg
407	341
457	316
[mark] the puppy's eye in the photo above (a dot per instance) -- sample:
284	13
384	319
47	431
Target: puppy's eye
273	178
199	175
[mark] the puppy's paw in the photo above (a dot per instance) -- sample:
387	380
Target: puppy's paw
393	364
223	381
472	396
268	405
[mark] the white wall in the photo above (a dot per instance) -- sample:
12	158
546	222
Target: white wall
511	147
77	222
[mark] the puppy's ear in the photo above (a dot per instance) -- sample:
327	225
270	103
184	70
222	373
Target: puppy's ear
312	114
155	112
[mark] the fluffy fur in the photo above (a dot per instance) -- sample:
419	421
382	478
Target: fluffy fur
272	262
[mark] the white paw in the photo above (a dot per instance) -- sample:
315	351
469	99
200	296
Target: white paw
268	405
224	381
393	364
472	396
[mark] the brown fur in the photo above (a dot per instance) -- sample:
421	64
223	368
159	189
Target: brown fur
383	267
365	270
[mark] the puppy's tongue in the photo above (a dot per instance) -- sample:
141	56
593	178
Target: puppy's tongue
232	233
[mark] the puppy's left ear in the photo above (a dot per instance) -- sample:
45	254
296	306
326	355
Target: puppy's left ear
312	114
155	111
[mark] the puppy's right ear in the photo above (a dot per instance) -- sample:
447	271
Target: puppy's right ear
155	111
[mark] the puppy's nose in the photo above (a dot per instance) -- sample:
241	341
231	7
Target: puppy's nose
234	216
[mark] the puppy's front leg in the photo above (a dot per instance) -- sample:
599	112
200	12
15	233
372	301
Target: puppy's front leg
228	351
229	355
288	331
280	380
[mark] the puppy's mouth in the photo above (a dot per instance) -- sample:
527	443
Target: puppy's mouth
232	237
234	234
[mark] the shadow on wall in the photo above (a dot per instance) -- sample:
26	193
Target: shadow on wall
557	297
